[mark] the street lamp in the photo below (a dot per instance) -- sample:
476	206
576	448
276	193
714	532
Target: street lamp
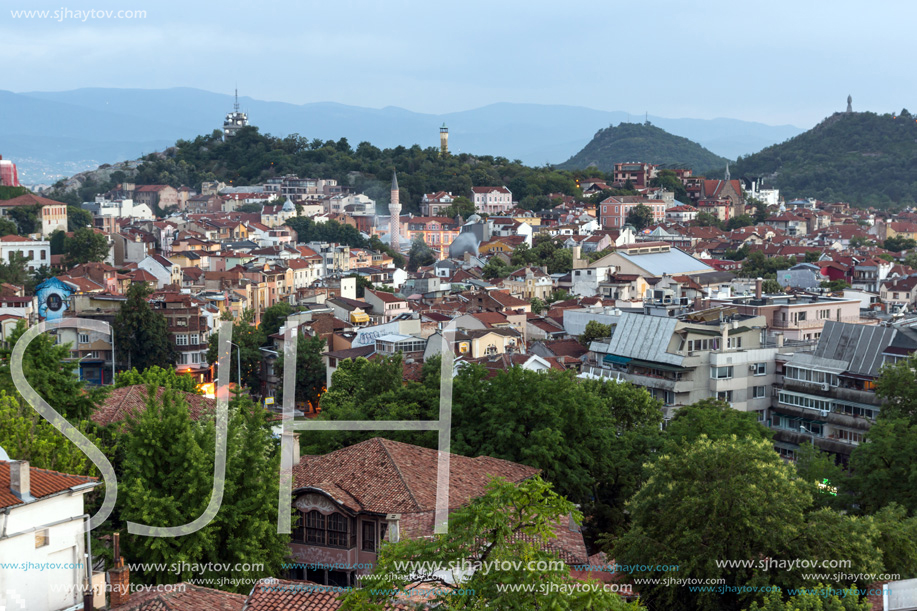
239	364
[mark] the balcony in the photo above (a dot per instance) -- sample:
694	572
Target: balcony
852	422
825	443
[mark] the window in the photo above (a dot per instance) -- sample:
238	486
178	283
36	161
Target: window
44	254
721	373
724	395
337	530
84	338
734	342
759	392
315	528
369	536
760	369
195	358
42	538
181	339
195	339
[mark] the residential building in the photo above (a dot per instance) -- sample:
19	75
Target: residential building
529	283
36	252
433	204
44	522
613	210
161	197
639	174
386	306
437	232
492	200
899	293
51	214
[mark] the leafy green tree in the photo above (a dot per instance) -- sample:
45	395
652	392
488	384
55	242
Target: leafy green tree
157	376
310	370
899	243
771	287
420	254
538	306
52	373
732	498
594	330
737	222
640	216
897	387
27	436
252	208
669	180
716	420
169	463
7	227
817	467
274	317
835	286
496	268
58	241
859	241
27	219
461	206
510	522
883	467
249	339
706	219
86	245
817	598
363	283
141	334
77	218
15	271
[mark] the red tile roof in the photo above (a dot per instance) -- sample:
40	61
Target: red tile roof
189	598
131	400
29	200
42	483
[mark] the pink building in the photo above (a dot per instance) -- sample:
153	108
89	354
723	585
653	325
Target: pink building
9	176
613	211
492	200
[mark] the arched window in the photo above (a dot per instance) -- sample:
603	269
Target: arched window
315	528
337	530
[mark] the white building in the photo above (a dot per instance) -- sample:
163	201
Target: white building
492	200
124	208
37	252
42	523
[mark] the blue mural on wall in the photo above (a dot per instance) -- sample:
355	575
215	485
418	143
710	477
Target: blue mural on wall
53	299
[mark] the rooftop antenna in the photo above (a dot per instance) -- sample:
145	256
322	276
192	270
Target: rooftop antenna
236	105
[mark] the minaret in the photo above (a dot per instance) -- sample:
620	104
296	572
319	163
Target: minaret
394	210
849	103
443	141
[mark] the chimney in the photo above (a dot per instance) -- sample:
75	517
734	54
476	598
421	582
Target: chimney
19	479
759	284
119	577
779	340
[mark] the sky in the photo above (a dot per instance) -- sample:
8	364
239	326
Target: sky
777	62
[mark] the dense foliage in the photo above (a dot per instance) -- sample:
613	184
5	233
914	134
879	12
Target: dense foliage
863	158
643	142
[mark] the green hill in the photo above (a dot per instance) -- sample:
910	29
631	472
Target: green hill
861	158
642	142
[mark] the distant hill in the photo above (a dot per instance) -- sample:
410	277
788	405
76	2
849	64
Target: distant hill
54	134
642	142
861	158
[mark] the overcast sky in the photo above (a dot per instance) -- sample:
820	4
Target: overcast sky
774	61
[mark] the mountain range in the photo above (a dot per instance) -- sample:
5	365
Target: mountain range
54	134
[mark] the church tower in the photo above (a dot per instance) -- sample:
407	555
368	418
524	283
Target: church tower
394	210
443	141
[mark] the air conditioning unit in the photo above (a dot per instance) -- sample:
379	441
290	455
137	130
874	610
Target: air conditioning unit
752	368
824	386
823	412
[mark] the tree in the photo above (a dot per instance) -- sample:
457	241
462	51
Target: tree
310	370
77	218
640	216
897	387
7	227
899	243
27	436
509	523
737	222
27	219
771	287
86	245
157	376
252	208
729	498
818	598
461	206
714	419
58	241
141	333
496	268
420	254
247	351
15	271
274	317
883	467
706	219
49	369
168	472
834	286
363	283
538	306
669	180
594	330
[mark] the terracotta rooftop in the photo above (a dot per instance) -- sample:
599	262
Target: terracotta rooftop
189	598
42	483
131	400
